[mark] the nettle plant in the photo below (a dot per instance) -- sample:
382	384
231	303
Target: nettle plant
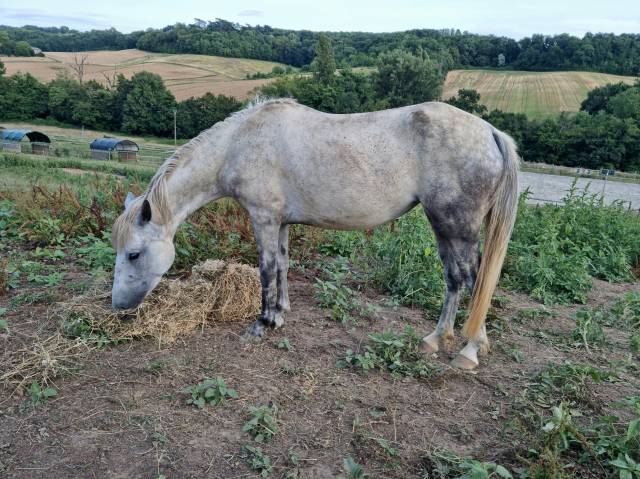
213	392
262	425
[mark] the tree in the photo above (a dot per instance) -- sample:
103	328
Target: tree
78	65
324	64
22	97
64	95
197	114
405	79
148	108
2	69
598	98
468	100
23	49
626	104
501	60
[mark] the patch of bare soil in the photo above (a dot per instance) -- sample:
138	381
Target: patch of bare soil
121	415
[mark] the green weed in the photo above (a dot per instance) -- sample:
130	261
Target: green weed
397	353
588	331
334	293
40	395
79	327
555	250
352	469
259	461
210	391
285	344
262	425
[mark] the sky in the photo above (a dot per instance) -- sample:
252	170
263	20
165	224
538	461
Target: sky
512	18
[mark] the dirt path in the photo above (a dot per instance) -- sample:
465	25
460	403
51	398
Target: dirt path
549	188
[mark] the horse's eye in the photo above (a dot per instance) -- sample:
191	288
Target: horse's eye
133	256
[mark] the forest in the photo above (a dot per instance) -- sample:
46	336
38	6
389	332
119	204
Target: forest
602	52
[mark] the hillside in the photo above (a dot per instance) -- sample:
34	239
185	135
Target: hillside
185	75
538	94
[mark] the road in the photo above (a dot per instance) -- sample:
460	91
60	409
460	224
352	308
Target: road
549	188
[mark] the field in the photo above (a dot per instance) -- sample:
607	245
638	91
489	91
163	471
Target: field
185	75
342	385
538	94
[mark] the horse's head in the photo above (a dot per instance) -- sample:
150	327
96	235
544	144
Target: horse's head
144	252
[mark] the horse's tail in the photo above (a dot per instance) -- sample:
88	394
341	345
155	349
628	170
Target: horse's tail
498	226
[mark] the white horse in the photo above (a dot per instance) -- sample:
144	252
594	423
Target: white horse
286	163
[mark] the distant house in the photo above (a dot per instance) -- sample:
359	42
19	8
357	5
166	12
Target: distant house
12	140
114	148
36	51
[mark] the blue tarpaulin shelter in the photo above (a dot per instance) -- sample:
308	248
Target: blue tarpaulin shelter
12	141
103	149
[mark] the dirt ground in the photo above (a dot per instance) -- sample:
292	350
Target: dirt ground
121	415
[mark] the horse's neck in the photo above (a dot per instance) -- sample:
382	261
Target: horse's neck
194	181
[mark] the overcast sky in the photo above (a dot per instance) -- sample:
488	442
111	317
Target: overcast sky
501	17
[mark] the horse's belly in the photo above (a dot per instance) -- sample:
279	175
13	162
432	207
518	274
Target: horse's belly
350	217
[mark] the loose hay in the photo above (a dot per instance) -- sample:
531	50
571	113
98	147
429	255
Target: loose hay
216	291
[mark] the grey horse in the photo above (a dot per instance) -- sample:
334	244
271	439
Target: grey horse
286	163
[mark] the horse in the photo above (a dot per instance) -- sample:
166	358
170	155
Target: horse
286	163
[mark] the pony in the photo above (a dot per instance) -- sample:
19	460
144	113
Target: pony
285	163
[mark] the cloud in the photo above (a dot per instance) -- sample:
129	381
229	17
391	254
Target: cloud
24	16
251	13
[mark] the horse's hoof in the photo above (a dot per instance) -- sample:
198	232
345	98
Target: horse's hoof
255	332
463	362
278	321
429	346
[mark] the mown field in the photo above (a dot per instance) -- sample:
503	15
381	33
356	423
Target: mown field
185	75
341	390
537	94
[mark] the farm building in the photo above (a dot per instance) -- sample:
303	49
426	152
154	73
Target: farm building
12	140
108	148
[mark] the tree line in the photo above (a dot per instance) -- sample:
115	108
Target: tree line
11	47
141	105
603	52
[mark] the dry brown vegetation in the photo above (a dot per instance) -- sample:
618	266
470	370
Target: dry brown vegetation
537	94
185	75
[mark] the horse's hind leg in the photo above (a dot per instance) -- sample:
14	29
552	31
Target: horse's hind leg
283	268
460	261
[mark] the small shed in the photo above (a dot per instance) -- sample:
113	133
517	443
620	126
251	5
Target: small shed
12	141
109	148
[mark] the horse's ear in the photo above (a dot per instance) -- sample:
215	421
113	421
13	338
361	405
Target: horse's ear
128	200
145	212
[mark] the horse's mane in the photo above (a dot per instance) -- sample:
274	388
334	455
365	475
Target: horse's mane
156	191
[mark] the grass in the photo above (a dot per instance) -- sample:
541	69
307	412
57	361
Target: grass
537	94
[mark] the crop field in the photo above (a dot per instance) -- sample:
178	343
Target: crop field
185	75
341	390
537	94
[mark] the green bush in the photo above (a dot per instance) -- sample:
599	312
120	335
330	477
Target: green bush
555	250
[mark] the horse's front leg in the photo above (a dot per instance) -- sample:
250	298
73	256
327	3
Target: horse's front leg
266	233
283	268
